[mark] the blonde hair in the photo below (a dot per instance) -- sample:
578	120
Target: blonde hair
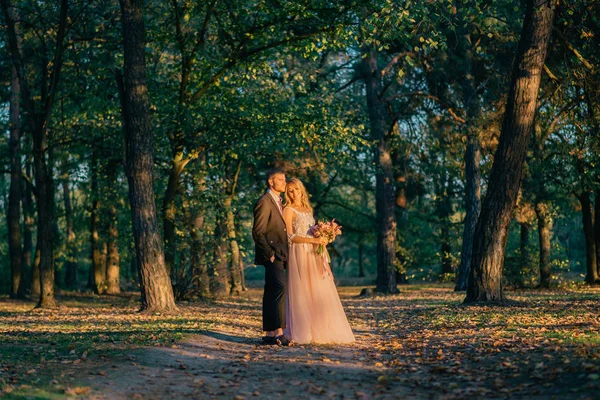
304	202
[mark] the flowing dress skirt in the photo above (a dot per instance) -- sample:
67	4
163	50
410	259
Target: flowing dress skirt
315	313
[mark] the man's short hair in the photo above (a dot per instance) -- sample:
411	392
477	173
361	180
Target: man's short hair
272	173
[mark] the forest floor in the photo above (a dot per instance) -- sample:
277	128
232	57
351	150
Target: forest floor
421	343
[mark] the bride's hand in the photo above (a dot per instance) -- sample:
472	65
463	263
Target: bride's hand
320	240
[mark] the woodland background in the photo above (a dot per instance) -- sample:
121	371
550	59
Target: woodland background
235	88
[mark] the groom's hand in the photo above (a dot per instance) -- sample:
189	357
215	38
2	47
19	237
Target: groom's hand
272	258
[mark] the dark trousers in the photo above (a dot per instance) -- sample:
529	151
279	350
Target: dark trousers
274	297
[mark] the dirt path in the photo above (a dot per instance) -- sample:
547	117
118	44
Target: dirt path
222	365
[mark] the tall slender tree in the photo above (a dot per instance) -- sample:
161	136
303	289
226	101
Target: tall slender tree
38	111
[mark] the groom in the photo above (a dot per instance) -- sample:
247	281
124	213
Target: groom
271	251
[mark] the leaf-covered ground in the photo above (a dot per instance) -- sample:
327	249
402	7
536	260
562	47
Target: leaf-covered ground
422	343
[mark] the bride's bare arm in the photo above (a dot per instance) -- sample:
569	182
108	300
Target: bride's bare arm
288	217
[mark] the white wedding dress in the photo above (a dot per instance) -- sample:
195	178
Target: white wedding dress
314	310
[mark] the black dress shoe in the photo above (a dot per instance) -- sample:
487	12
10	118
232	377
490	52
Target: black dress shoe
269	340
283	341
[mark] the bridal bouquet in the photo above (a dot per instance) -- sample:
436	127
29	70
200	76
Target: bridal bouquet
327	229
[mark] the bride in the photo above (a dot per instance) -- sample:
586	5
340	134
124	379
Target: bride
314	312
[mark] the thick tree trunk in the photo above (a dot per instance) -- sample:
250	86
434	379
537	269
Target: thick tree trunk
544	236
588	232
45	231
15	194
155	284
71	264
491	233
384	178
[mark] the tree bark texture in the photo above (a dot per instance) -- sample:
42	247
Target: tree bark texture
491	233
384	178
155	284
588	232
15	194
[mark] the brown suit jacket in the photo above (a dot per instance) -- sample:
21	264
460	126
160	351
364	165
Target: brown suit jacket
269	233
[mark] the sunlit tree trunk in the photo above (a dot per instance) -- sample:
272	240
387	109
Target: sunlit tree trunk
491	233
155	284
385	204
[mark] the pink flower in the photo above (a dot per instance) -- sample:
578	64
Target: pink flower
328	230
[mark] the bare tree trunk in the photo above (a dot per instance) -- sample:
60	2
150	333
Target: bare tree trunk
15	194
588	232
155	284
384	178
544	236
71	264
491	233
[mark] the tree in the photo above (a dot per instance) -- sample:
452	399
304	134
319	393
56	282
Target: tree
491	233
38	113
155	284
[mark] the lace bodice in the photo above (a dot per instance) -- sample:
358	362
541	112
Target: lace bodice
303	223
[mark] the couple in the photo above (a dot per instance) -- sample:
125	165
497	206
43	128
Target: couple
303	305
